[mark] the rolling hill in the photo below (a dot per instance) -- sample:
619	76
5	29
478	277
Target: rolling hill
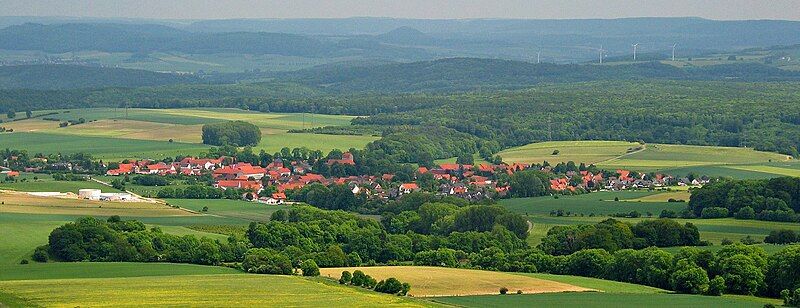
54	77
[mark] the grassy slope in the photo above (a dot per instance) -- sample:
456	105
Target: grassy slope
577	151
662	156
39	271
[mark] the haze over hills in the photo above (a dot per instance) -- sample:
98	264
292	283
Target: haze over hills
560	41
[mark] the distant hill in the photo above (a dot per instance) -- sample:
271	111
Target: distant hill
53	77
464	74
109	37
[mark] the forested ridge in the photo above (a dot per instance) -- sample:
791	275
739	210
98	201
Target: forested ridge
53	77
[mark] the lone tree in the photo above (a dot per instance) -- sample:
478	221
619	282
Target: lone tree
11	114
233	133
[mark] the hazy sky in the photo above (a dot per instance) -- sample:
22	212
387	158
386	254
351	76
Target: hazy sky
216	9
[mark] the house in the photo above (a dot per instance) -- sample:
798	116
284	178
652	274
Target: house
122	169
408	188
11	174
239	184
275	199
347	159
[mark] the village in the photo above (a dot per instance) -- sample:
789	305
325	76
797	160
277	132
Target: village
269	184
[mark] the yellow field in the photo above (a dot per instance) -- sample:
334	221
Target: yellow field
232	290
439	281
578	151
14	202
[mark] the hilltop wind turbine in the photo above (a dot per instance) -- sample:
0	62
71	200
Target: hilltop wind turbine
635	47
673	52
538	57
601	50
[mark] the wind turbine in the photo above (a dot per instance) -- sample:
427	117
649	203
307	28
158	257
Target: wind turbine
635	46
538	57
601	54
673	52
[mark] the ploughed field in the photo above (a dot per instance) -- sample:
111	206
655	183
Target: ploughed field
116	133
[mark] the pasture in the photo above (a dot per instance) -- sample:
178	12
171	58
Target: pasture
15	202
440	281
114	133
228	290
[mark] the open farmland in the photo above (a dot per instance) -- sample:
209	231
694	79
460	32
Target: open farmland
232	290
588	152
441	281
656	157
114	133
41	182
15	202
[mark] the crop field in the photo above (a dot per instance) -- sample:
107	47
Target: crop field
230	290
603	300
439	281
588	152
657	157
664	197
100	147
113	133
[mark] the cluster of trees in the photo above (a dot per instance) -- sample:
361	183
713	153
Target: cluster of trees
234	133
613	235
389	286
776	199
115	240
445	218
783	236
334	238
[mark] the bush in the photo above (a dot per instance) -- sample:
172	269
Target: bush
24	261
791	298
746	213
40	254
689	278
714	212
266	261
716	287
234	133
389	286
346	277
782	236
503	290
309	268
358	279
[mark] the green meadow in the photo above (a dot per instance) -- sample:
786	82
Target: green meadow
603	300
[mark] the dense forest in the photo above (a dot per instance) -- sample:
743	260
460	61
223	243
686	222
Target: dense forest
471	74
775	199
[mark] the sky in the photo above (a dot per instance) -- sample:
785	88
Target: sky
425	9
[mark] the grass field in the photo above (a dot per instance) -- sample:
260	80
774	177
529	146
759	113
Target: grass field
112	133
607	286
588	152
664	156
231	290
45	183
604	300
440	281
246	211
598	203
15	202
